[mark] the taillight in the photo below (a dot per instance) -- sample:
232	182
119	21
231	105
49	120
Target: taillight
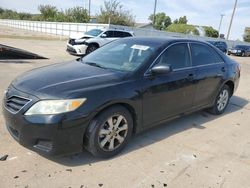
238	69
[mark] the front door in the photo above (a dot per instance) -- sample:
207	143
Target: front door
171	94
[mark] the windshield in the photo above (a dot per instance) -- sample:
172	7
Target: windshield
94	32
123	55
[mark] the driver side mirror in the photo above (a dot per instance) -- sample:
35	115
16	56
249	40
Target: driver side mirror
103	35
161	69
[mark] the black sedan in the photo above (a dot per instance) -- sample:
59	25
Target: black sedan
240	50
127	86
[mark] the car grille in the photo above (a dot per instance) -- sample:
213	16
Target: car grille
70	49
15	103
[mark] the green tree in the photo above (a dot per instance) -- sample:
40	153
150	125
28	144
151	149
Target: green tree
183	28
1	10
211	32
162	21
48	12
246	36
183	20
113	11
25	16
76	14
176	21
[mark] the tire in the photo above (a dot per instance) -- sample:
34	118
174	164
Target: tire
243	54
220	105
91	48
104	137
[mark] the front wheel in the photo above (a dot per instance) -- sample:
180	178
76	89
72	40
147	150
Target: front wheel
221	101
91	48
243	54
109	132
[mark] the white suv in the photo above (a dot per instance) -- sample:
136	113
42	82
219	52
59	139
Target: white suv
93	39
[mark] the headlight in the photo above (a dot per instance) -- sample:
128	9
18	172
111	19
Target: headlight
238	50
48	107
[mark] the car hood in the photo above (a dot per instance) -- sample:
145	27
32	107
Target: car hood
80	36
65	80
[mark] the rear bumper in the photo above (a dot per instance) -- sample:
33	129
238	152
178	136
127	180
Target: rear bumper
48	135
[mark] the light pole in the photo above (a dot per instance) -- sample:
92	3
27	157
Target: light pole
231	21
89	7
222	15
154	12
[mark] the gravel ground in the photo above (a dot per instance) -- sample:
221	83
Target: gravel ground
198	150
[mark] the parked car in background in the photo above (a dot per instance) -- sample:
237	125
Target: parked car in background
220	44
240	50
122	88
93	39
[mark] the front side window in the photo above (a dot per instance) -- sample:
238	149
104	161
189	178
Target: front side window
109	34
203	55
125	34
177	56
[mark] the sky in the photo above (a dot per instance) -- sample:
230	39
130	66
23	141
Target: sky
198	12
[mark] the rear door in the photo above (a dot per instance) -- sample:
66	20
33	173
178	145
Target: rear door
210	71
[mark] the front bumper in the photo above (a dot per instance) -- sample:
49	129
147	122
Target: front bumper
47	134
237	53
76	49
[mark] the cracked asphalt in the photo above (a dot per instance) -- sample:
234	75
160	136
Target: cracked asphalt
198	150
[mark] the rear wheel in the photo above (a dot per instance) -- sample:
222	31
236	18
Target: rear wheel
221	101
91	48
109	132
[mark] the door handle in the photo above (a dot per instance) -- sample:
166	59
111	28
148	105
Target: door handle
190	77
223	69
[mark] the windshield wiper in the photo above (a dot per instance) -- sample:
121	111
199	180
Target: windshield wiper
95	65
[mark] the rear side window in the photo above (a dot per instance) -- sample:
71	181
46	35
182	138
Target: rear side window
177	56
125	34
203	55
118	34
121	34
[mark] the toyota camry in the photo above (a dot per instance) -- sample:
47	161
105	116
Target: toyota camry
99	101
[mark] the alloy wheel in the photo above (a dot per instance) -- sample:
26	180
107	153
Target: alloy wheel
222	100
113	132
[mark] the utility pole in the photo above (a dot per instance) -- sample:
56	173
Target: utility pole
222	15
231	21
89	7
154	12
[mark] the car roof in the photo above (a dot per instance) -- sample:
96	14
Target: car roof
166	39
113	29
